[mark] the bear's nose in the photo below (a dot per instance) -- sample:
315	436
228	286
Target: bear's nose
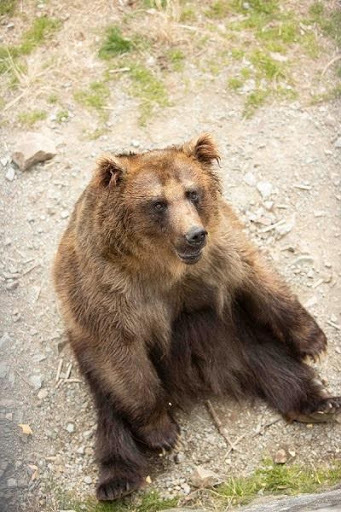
196	236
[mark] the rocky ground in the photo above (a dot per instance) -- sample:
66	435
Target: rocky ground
281	170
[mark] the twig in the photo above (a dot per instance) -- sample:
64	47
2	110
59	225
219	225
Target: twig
264	427
330	63
273	226
70	381
68	371
333	324
302	187
219	425
59	369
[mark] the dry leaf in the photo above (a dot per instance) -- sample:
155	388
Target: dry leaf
26	429
35	471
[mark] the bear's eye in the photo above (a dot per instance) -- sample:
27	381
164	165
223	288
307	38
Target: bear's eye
193	196
159	206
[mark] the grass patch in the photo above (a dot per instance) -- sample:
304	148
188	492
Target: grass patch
266	66
114	44
235	83
53	99
41	30
332	94
277	479
150	502
149	89
188	14
219	9
7	7
95	97
255	100
62	116
328	20
177	58
31	118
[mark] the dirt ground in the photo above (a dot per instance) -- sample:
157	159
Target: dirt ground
291	146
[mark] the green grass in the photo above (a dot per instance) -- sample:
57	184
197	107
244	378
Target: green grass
219	9
328	20
277	479
114	44
150	90
177	58
255	100
62	116
29	119
38	34
95	97
53	99
7	7
40	31
149	502
235	83
266	66
188	14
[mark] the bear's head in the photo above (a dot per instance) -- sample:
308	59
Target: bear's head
160	203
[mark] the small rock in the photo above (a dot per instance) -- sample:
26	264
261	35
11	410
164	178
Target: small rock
12	286
10	174
250	179
42	394
11	483
202	477
64	214
88	480
264	188
70	428
135	143
338	143
4	161
3	370
36	381
33	148
5	338
178	458
186	488
281	457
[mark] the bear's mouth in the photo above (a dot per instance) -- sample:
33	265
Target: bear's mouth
189	258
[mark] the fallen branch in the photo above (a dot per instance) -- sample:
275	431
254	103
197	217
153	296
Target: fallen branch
221	429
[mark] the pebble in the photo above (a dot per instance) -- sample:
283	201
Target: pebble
12	286
338	143
64	214
11	483
250	179
5	338
10	174
36	381
264	188
70	428
42	394
88	480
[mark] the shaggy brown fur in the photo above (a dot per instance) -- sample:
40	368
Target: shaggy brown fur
165	300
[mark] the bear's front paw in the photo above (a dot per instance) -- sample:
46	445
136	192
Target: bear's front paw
310	341
161	435
112	486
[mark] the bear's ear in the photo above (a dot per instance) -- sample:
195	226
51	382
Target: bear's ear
109	172
203	149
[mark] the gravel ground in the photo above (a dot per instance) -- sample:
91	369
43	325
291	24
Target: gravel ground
281	171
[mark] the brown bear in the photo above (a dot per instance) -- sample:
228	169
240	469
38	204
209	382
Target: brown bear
165	300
